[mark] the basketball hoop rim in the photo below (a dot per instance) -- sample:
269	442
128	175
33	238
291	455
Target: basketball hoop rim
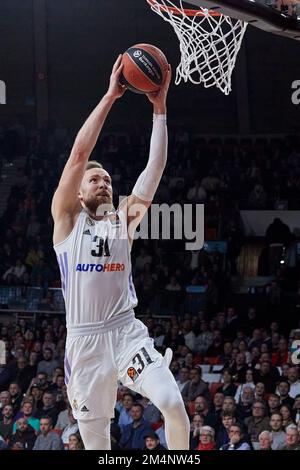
179	11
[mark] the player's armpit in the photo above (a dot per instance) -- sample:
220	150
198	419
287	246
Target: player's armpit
135	209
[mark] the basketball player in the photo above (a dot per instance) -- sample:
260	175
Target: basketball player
105	342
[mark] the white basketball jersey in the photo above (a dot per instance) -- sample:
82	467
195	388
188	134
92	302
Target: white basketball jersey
95	268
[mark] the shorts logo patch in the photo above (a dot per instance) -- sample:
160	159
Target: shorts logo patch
75	405
132	373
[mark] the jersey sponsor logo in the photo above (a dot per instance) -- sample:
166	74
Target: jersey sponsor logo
87	232
132	373
107	267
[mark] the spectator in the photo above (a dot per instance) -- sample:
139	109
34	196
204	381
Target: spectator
273	403
132	436
6	424
260	391
278	435
75	442
244	407
49	408
265	376
195	387
293	376
228	419
152	442
217	405
265	440
291	438
236	439
228	388
296	409
71	428
248	384
151	413
204	339
41	381
286	414
47	440
14	275
48	365
125	417
16	396
196	424
24	434
5	399
202	407
62	420
183	379
284	395
278	233
26	412
207	439
257	423
239	368
23	374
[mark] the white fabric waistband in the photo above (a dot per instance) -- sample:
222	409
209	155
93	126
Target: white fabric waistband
84	329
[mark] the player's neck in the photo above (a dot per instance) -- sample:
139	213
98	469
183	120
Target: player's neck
102	211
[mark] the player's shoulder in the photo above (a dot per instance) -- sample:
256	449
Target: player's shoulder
64	226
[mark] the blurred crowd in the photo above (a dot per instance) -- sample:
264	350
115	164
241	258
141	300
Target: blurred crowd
239	381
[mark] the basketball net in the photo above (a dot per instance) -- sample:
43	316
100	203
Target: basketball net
209	43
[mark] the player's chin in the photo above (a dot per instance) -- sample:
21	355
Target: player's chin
107	201
103	199
104	206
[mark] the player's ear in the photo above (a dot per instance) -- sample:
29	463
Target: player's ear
80	196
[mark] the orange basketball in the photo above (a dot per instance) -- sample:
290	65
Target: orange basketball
144	68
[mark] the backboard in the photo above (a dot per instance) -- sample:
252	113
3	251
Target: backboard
263	14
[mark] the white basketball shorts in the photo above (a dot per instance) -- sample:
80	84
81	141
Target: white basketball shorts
95	362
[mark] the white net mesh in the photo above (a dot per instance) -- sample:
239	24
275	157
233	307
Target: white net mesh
209	43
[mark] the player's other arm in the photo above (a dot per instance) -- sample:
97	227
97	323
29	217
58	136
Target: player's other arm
144	190
65	200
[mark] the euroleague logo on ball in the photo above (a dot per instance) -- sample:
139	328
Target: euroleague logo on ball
137	53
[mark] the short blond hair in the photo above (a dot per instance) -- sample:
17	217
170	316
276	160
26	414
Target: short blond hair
93	164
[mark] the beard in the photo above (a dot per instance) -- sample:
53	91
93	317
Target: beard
98	206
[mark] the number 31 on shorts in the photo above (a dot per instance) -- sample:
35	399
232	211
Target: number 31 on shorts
139	362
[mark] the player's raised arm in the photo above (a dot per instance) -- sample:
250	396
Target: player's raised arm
65	200
145	187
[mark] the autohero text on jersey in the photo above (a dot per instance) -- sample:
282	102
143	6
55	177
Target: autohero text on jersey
107	267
